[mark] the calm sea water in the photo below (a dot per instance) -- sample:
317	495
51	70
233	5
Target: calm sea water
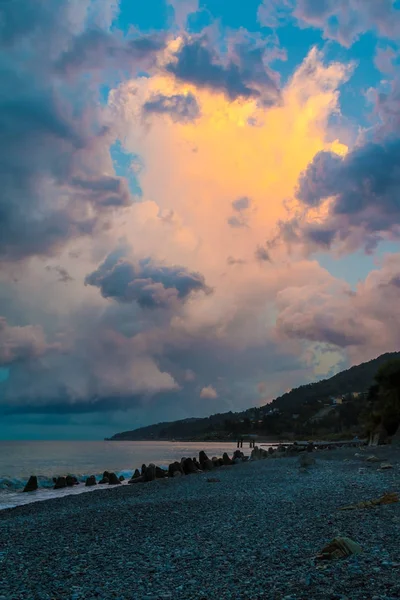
19	460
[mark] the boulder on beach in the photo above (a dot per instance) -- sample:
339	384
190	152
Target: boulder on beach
139	479
238	456
32	484
207	465
113	479
106	475
71	480
104	481
60	483
226	460
121	478
143	469
197	464
173	468
150	472
91	480
136	474
188	466
202	457
160	473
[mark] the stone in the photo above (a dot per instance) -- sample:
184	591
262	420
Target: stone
60	483
305	460
106	474
202	457
32	484
139	479
113	479
173	468
213	480
339	547
71	480
150	472
121	478
238	454
143	469
136	474
91	480
177	474
226	459
372	459
385	466
160	473
207	465
188	466
104	481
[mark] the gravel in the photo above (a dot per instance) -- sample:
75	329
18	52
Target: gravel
253	535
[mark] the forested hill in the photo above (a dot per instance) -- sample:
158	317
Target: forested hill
299	400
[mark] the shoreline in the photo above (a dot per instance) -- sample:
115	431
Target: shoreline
251	535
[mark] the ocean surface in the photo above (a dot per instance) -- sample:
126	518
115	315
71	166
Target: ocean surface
19	460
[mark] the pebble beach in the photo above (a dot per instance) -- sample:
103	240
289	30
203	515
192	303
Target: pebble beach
250	531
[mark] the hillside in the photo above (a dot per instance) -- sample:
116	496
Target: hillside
305	401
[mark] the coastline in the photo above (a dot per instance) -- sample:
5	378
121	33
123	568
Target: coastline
251	535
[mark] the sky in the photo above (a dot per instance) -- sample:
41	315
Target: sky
199	205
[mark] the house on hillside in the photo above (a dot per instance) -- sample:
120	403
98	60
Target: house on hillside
336	400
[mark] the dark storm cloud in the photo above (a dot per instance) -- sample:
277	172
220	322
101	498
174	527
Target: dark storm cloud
96	49
179	107
365	188
149	284
244	75
54	144
262	254
241	203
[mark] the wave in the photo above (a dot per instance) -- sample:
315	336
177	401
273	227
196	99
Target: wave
47	482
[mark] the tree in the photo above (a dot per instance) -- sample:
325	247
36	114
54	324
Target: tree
386	395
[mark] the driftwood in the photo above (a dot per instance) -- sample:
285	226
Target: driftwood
388	498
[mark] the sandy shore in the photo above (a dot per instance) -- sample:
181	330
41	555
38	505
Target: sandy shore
251	536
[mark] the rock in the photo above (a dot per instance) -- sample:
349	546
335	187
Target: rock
91	480
113	479
372	458
208	465
60	483
339	547
305	460
173	468
215	462
385	466
188	466
136	474
71	480
150	472
32	484
226	459
143	469
121	478
271	450
213	480
139	479
160	473
197	464
238	454
106	475
104	481
177	474
202	457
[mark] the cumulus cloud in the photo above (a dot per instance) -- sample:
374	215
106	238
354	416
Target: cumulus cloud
341	20
57	178
21	343
208	392
364	321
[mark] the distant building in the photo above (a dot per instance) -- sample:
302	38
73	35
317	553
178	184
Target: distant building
337	400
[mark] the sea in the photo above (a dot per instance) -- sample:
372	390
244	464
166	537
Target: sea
45	459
